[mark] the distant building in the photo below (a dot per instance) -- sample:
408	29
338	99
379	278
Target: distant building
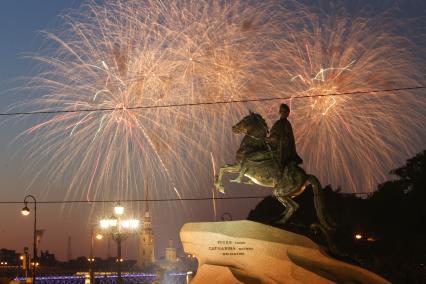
146	256
47	259
9	256
170	260
171	252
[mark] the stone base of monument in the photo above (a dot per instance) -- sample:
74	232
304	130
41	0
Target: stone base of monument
250	252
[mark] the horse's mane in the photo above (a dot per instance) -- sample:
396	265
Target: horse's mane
260	118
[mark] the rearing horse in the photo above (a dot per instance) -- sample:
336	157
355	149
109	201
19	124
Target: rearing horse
255	161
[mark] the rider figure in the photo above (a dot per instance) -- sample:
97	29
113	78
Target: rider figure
281	141
280	144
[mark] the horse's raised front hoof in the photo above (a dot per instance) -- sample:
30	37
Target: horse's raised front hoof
220	188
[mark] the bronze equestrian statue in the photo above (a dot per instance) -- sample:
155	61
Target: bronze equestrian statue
273	162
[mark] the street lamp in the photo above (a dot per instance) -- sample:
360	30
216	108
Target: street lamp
26	211
119	229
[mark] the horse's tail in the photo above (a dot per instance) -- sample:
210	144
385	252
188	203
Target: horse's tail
323	216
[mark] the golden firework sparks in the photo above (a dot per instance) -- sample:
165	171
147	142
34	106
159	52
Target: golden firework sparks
121	54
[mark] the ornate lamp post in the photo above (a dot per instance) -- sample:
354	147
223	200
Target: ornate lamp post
26	211
119	229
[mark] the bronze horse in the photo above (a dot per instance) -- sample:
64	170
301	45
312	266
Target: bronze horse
255	161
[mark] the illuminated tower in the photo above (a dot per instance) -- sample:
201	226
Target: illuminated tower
146	255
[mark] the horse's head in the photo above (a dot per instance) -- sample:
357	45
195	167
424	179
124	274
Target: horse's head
253	124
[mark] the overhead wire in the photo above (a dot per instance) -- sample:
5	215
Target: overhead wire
157	200
209	103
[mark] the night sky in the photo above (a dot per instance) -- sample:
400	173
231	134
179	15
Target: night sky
20	24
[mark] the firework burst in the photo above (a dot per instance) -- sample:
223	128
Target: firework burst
124	54
350	140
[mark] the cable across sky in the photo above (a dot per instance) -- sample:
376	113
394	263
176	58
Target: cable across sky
212	102
156	200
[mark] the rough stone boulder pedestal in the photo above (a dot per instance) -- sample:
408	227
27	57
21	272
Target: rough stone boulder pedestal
250	252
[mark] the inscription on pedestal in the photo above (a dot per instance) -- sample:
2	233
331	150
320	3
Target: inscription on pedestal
231	248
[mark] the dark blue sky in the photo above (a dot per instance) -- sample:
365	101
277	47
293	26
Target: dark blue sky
20	22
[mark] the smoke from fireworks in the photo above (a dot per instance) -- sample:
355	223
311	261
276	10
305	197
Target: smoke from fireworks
124	54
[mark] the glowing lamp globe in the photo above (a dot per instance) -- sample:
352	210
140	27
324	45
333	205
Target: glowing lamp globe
104	224
118	210
25	211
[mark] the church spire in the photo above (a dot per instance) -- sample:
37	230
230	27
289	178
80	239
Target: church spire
146	256
147	215
146	199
